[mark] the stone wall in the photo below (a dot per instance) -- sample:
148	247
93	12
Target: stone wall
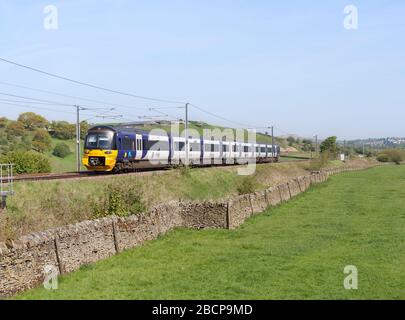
241	209
205	214
259	202
273	196
84	243
22	262
294	187
284	192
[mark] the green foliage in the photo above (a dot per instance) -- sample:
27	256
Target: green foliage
120	201
32	121
15	129
291	141
307	145
62	130
391	155
27	162
329	145
3	122
61	150
84	127
42	141
320	162
247	185
185	171
382	157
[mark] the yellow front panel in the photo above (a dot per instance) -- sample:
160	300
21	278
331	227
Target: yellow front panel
109	155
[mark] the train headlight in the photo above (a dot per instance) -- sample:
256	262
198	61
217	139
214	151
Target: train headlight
108	152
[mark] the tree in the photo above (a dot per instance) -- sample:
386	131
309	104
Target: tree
307	145
3	122
84	127
61	150
15	128
42	141
63	130
329	145
32	121
290	141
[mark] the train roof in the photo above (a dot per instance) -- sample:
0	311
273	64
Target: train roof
119	128
128	129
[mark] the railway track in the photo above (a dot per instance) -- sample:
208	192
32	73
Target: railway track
88	174
50	176
77	175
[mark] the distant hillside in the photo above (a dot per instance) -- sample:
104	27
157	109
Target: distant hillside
380	143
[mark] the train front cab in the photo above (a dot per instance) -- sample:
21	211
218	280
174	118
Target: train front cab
100	149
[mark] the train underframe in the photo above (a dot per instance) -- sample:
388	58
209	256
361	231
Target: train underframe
133	165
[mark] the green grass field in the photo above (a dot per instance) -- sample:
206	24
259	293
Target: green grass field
68	164
295	251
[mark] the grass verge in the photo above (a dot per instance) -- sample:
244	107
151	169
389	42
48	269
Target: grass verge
295	251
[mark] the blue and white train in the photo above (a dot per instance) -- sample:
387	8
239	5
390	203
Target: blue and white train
120	148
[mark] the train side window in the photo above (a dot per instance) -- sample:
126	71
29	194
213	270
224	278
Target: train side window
179	146
139	144
195	147
128	143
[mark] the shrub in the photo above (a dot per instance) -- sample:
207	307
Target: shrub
121	200
27	162
382	157
15	129
317	164
63	130
329	145
247	185
391	155
61	150
42	140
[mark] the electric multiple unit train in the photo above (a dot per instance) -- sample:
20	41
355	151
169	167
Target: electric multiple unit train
122	148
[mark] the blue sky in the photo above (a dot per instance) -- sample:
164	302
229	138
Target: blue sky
287	63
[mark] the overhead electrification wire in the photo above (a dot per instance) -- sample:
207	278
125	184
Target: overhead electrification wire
76	97
120	92
88	84
25	106
221	117
35	99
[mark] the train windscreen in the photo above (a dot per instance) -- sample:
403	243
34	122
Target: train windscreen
100	140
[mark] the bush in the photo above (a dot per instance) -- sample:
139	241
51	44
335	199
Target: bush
391	155
329	145
42	141
382	157
317	164
27	162
122	200
247	185
63	130
61	150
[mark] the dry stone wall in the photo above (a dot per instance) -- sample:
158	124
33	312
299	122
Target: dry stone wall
22	262
239	209
259	202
